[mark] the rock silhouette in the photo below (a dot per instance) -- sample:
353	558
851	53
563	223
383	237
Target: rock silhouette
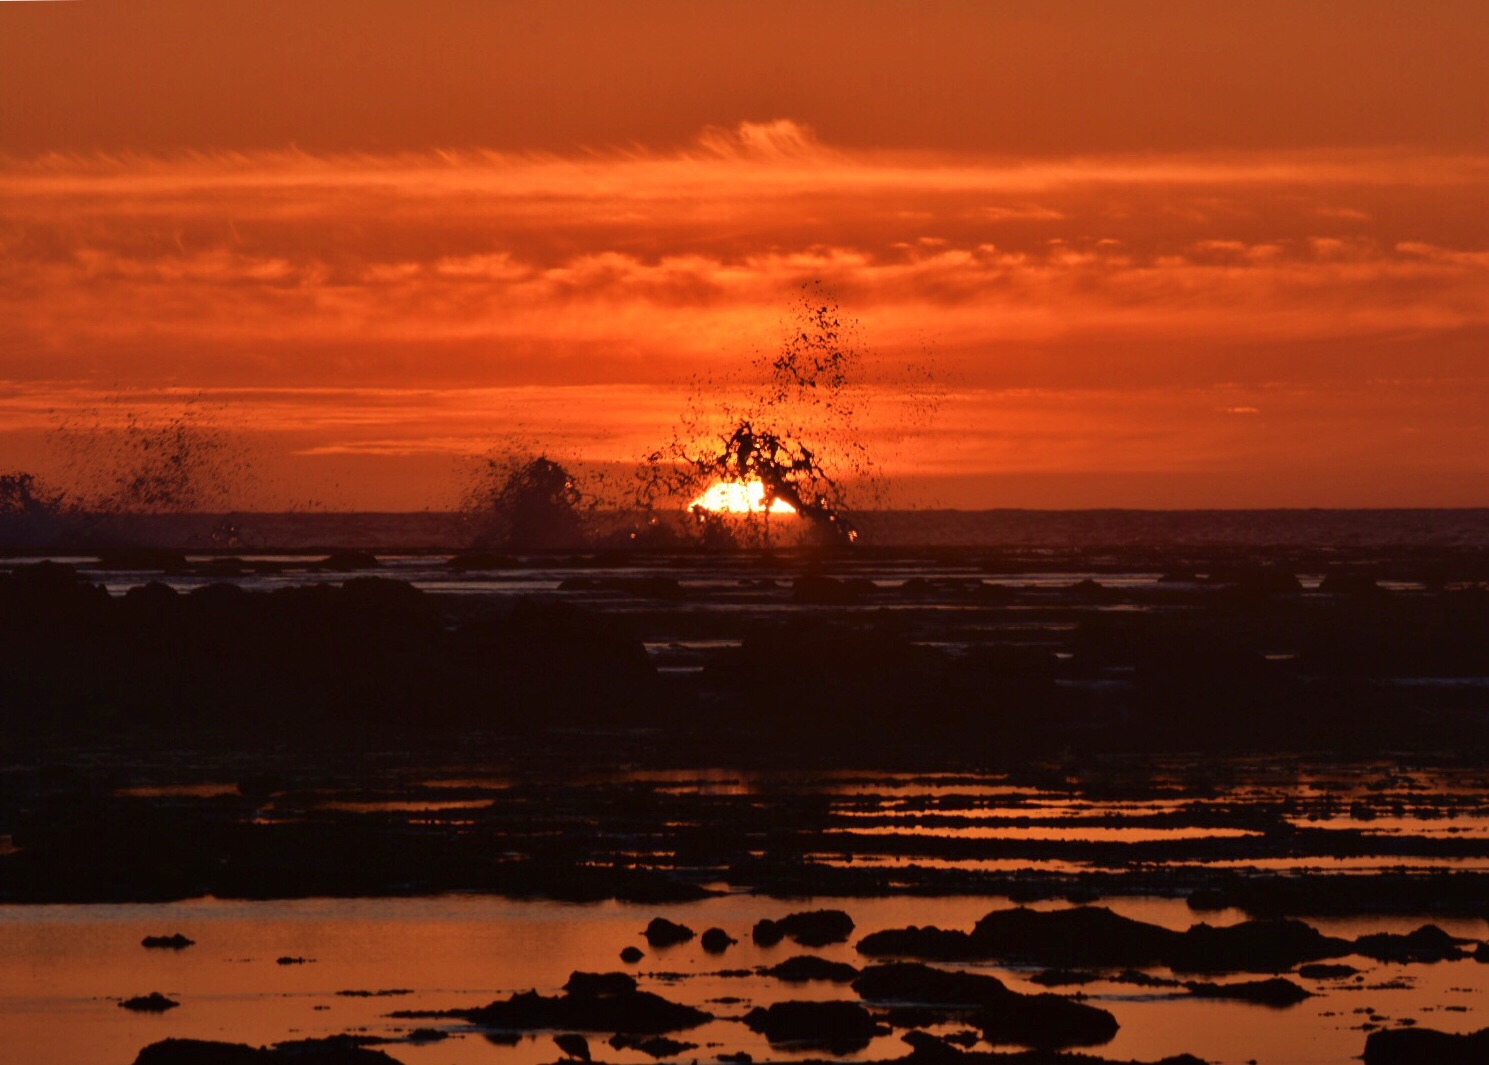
1003	1015
1426	1046
592	1002
839	1027
806	967
337	1050
154	1002
664	933
1096	937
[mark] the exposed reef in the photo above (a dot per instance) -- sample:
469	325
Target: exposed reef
1001	1014
591	1002
1095	937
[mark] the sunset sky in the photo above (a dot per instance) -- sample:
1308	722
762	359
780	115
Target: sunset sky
1168	254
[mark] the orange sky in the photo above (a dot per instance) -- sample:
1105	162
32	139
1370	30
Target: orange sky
1159	254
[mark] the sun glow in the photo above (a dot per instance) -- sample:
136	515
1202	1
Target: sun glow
739	497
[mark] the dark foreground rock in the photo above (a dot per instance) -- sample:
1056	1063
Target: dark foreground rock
1327	971
1084	935
154	1002
592	1002
1003	1015
810	928
664	933
172	942
838	1027
1254	946
1093	936
598	985
1275	992
716	941
805	967
1427	944
350	660
1064	977
1426	1046
654	1046
338	1050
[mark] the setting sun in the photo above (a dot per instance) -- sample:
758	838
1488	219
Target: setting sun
739	497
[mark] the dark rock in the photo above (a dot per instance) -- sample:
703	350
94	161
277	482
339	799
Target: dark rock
1274	992
716	941
154	1002
1083	935
809	928
1426	1046
918	1016
1327	971
1093	936
839	1027
48	577
1044	1021
804	967
910	983
766	933
593	1002
595	985
292	960
385	992
175	941
1481	953
631	955
1064	977
334	1050
925	1047
1253	946
656	1046
1208	899
1003	1015
817	928
201	1052
664	933
151	600
930	942
742	1057
1427	944
427	1035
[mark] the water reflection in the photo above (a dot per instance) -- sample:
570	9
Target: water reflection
62	967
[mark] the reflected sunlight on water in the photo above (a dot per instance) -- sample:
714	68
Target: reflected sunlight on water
62	967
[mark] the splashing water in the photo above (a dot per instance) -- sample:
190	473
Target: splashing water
795	448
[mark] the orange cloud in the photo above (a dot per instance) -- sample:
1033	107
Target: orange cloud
1091	315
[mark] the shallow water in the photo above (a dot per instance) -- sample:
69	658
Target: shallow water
62	968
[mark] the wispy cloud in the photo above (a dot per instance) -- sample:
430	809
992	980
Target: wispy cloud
376	288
